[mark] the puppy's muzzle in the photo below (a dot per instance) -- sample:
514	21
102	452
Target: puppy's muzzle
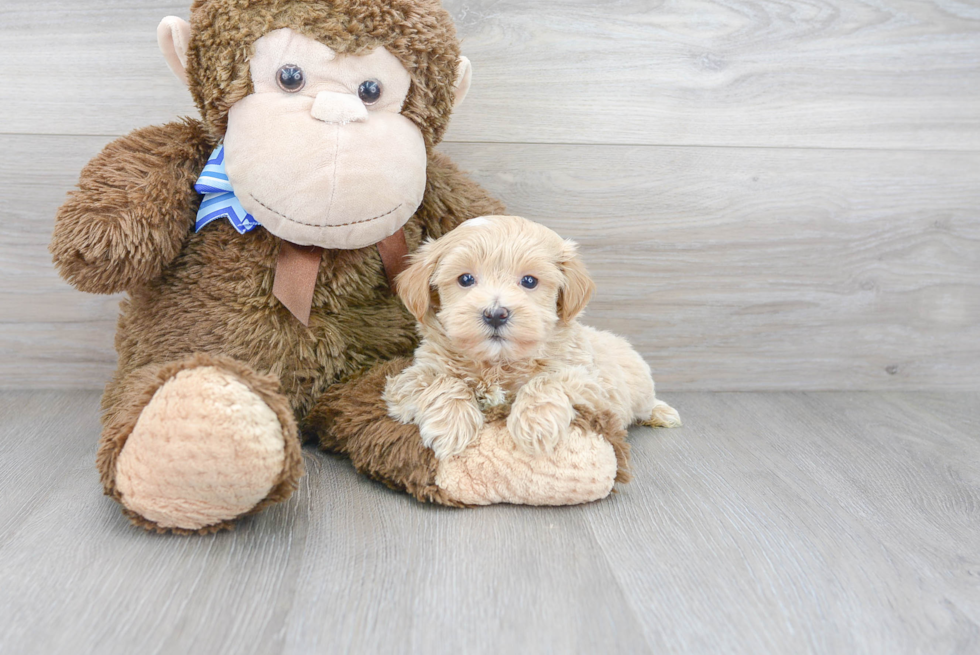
497	317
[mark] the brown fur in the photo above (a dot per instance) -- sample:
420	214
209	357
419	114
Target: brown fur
133	209
207	296
611	427
216	297
420	33
352	419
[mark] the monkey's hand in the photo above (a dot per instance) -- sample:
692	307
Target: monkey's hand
134	206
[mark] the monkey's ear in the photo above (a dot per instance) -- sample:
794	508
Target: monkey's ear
174	37
464	75
578	287
414	284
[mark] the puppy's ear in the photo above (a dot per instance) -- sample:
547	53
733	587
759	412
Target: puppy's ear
414	284
578	287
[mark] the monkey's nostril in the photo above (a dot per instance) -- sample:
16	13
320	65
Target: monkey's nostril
496	317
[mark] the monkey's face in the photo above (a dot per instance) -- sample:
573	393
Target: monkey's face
319	153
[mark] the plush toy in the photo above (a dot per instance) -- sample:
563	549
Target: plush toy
257	246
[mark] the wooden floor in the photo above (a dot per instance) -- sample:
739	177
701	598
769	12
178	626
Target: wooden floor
771	523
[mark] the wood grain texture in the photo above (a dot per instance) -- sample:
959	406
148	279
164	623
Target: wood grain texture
727	268
767	268
826	73
783	523
50	334
826	509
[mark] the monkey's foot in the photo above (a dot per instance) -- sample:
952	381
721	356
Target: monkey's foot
352	418
582	466
205	450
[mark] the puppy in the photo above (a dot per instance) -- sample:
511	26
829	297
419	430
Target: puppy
496	300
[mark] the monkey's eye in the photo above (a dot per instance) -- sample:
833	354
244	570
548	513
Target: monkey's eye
529	281
290	78
466	280
369	91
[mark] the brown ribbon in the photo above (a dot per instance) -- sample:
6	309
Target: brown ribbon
297	268
394	251
295	280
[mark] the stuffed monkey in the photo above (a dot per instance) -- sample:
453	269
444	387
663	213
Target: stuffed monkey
256	247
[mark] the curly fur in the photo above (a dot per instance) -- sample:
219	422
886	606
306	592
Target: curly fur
540	363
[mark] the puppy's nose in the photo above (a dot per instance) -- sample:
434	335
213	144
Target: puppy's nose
496	317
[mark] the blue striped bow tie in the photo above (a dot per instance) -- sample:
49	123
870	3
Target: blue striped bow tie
219	198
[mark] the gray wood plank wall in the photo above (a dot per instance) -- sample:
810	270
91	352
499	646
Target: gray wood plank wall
769	195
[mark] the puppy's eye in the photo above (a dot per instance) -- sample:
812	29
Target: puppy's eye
369	91
466	280
290	78
529	281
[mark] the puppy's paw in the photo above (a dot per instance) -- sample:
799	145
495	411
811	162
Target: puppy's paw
451	428
538	427
663	416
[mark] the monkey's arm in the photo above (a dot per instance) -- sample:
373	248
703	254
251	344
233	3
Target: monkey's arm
134	205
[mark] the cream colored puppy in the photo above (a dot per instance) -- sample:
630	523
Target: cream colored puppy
496	300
